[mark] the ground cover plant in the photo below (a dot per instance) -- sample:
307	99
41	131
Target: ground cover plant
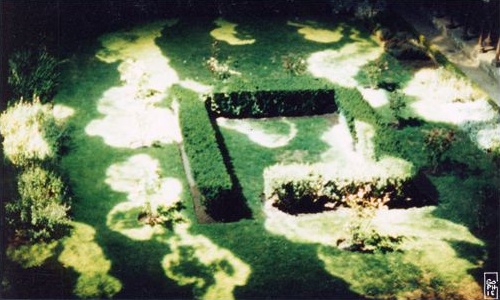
139	95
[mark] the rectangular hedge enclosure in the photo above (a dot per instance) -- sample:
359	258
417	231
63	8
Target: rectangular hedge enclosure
211	164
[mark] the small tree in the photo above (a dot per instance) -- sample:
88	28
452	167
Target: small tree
397	104
364	204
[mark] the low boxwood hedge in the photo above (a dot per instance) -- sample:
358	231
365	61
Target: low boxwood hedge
281	103
207	162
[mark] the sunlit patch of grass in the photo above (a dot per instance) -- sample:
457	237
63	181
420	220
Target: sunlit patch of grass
319	35
250	158
428	263
267	136
140	177
195	260
444	97
341	66
324	228
124	218
83	254
62	112
29	256
226	32
131	118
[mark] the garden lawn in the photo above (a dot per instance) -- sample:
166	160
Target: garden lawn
119	142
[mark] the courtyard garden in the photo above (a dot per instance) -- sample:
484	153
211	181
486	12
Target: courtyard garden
224	158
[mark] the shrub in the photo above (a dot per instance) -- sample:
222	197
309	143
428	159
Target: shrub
294	64
201	146
438	141
33	74
40	213
364	204
298	188
30	133
397	104
259	104
219	70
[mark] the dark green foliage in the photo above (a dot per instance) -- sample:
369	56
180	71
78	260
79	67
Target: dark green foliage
205	158
352	104
33	74
315	193
302	196
40	213
259	104
397	103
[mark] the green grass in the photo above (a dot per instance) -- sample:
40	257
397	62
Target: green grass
281	265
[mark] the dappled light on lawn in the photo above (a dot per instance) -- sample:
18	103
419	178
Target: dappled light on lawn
82	253
428	256
442	96
31	255
62	112
324	228
131	117
195	260
341	66
489	137
226	32
258	133
310	32
375	97
141	179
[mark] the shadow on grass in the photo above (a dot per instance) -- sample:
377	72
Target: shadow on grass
280	268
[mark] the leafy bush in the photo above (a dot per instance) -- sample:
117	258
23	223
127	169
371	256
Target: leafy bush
40	213
33	74
438	141
294	64
201	145
397	104
260	104
219	70
362	237
30	133
298	188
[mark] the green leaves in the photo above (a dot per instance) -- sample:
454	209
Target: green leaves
40	213
33	74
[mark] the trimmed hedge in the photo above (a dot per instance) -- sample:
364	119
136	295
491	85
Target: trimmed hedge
207	163
263	104
352	104
298	188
